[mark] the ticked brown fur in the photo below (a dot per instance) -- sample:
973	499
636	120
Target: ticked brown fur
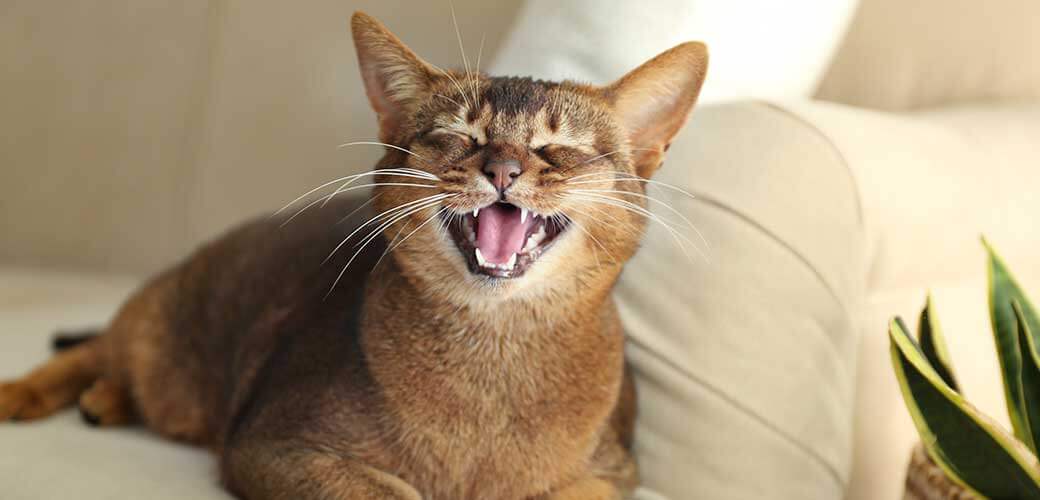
409	376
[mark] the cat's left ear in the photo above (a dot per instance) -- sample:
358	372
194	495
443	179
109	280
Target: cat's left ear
653	101
395	78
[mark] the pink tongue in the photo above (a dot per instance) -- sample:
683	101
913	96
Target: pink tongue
500	233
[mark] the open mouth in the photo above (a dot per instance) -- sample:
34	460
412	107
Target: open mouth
502	240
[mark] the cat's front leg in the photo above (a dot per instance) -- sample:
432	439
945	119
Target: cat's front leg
291	471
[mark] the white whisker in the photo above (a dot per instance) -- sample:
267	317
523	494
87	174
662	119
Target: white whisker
604	155
636	209
453	101
342	188
480	52
361	207
595	254
404	172
628	178
308	193
372	236
628	226
326	198
392	241
454	81
387	214
376	143
458	36
655	200
409	235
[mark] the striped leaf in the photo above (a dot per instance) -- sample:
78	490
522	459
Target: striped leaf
972	450
1030	368
1022	402
933	344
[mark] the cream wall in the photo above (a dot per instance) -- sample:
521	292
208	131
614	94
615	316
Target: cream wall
132	130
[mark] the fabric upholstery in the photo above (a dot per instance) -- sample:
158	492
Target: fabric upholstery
177	118
902	55
61	457
745	358
930	184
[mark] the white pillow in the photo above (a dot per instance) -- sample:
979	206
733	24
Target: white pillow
759	48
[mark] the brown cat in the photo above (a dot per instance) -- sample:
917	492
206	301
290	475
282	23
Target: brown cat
481	358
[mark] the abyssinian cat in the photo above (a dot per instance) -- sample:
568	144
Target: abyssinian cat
469	349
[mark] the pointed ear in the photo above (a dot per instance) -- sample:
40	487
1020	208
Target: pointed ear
653	101
395	78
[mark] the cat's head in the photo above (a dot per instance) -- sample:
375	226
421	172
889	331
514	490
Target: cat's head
503	186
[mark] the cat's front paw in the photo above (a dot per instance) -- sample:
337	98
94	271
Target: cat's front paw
18	401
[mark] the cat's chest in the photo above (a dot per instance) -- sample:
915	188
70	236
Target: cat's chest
494	425
499	445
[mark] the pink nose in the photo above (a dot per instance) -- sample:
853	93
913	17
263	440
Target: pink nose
501	173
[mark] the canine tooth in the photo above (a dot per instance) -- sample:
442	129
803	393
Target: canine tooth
523	217
475	212
480	258
512	262
539	235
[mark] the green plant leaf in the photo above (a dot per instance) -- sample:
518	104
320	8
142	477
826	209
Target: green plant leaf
973	450
1030	368
933	344
1003	290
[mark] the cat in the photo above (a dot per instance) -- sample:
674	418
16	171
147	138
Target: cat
470	349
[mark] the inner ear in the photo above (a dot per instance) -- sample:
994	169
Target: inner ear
653	101
396	79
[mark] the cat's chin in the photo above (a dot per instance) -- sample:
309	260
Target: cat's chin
502	240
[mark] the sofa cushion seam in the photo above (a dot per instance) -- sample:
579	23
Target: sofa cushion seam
728	399
834	149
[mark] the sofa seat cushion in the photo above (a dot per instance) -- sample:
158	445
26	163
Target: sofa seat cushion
61	457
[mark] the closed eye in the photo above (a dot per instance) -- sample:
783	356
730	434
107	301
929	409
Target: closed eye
559	155
543	153
444	131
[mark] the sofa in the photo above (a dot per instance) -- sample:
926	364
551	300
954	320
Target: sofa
762	368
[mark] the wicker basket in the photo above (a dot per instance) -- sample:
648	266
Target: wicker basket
926	481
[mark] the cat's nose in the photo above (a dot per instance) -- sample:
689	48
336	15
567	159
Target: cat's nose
501	173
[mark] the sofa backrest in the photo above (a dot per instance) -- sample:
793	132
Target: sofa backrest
131	131
911	54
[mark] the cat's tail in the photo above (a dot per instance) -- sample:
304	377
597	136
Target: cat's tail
65	339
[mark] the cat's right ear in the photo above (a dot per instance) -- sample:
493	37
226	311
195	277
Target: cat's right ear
395	78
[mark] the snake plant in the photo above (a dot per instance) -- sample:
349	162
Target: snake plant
974	451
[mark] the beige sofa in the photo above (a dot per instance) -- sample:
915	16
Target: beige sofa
767	376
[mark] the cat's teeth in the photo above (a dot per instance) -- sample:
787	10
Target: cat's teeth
523	217
540	235
480	258
512	262
534	239
475	212
530	245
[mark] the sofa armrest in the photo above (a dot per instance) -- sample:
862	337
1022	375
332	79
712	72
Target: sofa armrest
746	359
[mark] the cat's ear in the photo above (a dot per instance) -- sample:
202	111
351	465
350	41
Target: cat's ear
395	78
653	101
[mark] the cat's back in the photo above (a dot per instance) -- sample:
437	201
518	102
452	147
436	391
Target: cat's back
217	318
